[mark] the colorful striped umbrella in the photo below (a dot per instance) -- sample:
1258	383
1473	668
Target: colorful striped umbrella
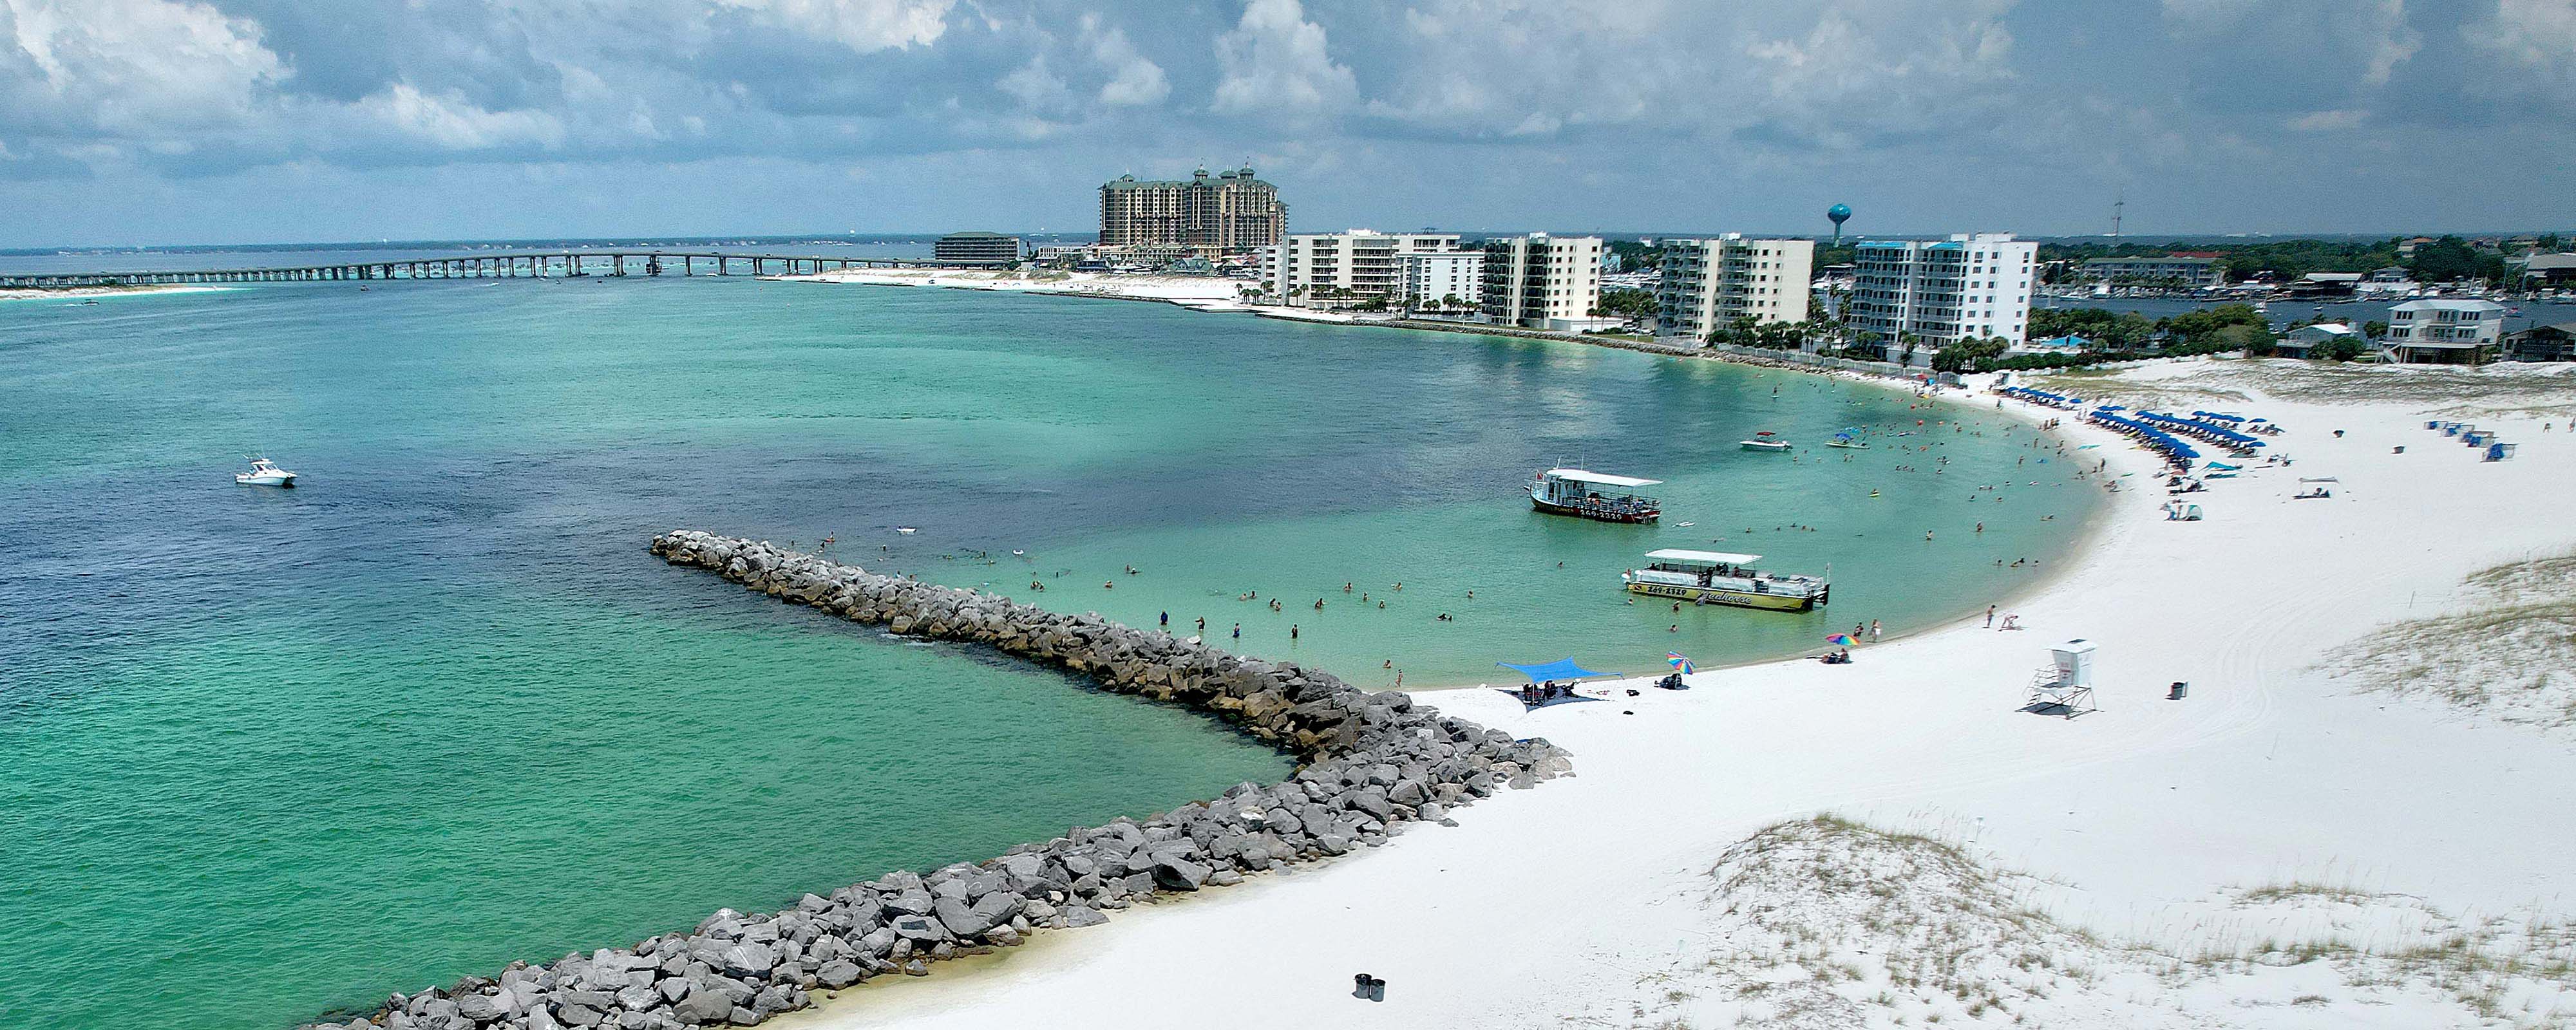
1675	659
1842	640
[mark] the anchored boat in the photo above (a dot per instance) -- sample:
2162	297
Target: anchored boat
1714	577
264	472
1593	495
1766	441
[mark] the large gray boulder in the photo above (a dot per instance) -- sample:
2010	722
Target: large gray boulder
912	902
961	919
479	1008
918	928
1180	874
838	973
703	1007
749	959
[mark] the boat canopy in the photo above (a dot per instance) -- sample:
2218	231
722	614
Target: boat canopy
1602	479
1560	669
1709	557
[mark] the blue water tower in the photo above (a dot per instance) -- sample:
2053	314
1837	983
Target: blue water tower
1839	213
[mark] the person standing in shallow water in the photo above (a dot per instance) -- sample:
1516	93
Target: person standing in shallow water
1292	631
1873	631
1990	609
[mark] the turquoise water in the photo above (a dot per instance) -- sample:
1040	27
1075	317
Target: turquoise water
271	752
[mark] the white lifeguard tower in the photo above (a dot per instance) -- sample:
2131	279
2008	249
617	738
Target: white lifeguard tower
2064	686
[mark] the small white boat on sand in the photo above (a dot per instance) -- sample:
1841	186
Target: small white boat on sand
264	472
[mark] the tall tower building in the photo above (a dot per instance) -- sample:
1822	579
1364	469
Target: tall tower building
1225	213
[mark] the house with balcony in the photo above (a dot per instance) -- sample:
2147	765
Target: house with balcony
2444	332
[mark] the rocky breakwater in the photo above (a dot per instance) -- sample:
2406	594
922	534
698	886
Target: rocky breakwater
1372	764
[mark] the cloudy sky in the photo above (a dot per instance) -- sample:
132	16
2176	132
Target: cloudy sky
177	121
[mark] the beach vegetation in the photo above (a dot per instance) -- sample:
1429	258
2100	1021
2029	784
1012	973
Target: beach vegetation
2503	653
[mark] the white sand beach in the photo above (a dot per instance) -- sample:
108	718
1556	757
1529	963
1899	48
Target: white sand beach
1172	288
2283	847
80	293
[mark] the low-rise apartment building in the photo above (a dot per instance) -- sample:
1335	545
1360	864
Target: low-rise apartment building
2197	273
1347	268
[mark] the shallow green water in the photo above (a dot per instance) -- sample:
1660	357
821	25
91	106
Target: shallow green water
270	752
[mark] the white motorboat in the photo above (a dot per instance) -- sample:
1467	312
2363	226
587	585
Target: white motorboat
1766	441
264	472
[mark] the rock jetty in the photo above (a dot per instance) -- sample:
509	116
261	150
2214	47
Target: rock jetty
1371	764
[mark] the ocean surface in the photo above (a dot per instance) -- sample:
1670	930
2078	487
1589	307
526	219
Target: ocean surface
271	752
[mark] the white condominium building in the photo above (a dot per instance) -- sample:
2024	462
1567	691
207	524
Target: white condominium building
1966	286
1330	269
1437	278
1540	281
1707	285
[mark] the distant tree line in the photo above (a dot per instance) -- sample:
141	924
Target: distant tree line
2444	260
2119	336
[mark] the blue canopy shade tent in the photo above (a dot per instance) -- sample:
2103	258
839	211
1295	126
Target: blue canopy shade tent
1560	669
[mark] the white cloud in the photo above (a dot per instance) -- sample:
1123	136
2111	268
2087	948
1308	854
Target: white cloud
2210	15
2329	121
2536	40
1034	84
2396	42
864	26
133	66
1276	61
1837	70
1133	79
455	123
2540	33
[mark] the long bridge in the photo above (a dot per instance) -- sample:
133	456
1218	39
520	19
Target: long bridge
557	264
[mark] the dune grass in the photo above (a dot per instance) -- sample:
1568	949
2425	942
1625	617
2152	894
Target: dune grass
2509	654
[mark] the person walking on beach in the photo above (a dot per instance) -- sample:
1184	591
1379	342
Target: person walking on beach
1990	609
1873	631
